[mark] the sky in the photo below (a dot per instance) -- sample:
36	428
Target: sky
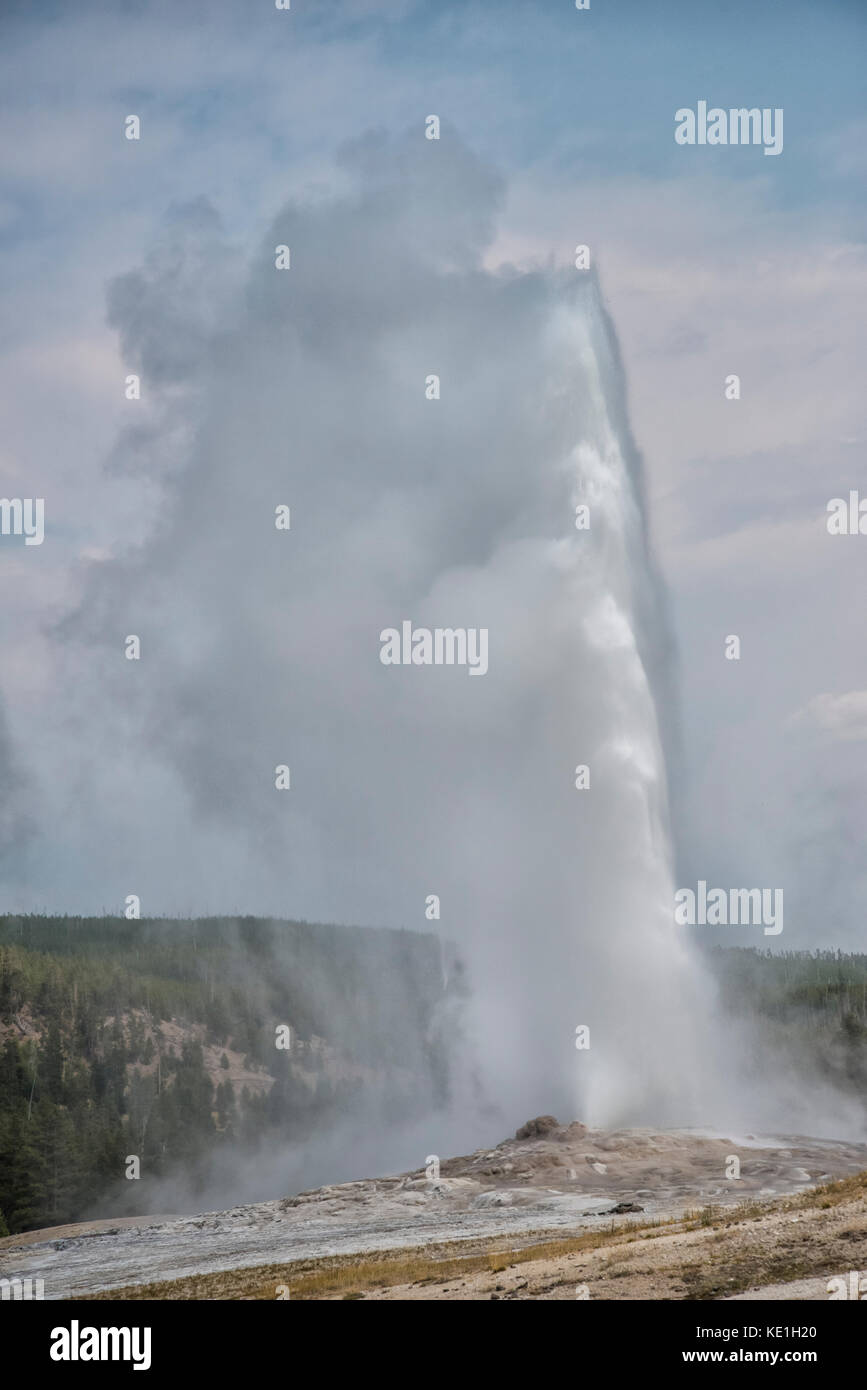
557	129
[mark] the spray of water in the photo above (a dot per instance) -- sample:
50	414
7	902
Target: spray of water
307	388
576	927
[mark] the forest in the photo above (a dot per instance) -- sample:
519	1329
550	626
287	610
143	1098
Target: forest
806	1012
157	1040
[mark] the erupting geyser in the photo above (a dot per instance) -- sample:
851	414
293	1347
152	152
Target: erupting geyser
499	517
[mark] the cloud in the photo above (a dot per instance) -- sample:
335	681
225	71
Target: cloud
17	824
260	647
840	716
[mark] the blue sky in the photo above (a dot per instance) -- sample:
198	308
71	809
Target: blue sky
711	260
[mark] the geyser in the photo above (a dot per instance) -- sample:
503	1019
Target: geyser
304	388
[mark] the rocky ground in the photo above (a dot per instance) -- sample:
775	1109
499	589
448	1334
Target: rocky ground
557	1211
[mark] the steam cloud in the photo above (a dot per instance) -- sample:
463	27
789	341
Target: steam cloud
261	647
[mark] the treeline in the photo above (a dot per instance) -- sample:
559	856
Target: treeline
226	973
122	1038
809	1007
105	1025
829	985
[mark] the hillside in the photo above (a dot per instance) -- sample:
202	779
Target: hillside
159	1039
156	1040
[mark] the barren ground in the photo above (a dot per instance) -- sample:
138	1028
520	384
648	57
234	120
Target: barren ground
532	1218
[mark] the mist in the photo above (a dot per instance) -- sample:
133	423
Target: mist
309	389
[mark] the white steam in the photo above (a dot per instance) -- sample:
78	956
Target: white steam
261	647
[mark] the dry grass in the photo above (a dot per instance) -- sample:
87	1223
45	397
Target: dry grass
348	1275
737	1253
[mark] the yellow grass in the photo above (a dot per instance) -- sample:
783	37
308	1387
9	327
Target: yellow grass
350	1276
